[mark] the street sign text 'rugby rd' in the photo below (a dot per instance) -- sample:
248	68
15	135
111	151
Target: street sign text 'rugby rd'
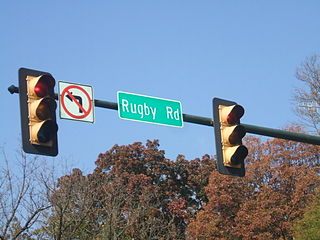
149	109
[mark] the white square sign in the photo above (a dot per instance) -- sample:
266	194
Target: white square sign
76	102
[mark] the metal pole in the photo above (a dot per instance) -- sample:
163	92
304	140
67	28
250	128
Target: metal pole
277	133
263	131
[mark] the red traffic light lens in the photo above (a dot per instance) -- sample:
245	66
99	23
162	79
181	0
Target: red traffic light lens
44	86
47	130
46	108
235	115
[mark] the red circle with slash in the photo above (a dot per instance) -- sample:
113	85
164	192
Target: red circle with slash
66	91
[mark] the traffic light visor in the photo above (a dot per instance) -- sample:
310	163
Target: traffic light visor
239	155
45	108
234	156
41	86
237	134
44	85
43	132
234	115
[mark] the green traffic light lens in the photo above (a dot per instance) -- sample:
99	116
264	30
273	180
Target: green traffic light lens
240	154
47	131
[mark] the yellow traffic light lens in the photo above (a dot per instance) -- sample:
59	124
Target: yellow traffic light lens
46	107
239	155
235	115
44	86
43	111
237	134
47	130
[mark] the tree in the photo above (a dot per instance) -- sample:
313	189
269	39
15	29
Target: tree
134	192
308	99
72	209
281	178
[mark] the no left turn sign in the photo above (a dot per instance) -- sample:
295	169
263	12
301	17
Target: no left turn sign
76	102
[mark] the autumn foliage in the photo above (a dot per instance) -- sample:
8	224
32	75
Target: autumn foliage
135	192
281	178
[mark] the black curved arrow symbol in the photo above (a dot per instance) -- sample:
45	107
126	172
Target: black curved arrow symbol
79	99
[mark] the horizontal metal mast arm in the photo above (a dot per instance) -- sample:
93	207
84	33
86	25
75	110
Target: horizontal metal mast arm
270	132
277	133
198	120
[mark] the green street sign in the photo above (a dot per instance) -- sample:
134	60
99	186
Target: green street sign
148	109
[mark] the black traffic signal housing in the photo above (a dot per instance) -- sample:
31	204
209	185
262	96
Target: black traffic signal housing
228	136
38	112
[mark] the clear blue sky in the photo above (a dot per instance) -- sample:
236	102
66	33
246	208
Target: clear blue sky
191	51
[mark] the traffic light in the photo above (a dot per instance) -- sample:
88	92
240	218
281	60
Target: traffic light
228	136
38	112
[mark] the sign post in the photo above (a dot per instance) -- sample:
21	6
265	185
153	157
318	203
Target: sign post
148	109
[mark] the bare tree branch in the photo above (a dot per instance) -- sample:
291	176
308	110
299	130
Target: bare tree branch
21	196
307	99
